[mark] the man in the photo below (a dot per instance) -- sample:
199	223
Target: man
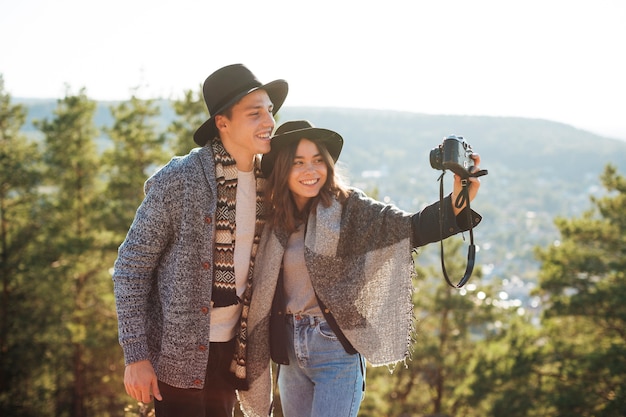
181	285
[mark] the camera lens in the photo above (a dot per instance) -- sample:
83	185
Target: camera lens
435	158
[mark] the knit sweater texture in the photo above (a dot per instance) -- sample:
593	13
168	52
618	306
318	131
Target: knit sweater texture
162	276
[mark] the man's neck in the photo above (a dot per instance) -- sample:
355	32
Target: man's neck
243	158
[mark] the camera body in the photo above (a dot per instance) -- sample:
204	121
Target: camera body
454	154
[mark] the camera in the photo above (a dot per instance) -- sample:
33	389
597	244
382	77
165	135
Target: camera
454	154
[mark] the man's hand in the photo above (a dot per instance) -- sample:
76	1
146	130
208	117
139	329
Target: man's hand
141	382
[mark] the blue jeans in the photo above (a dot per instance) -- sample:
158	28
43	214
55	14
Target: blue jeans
321	380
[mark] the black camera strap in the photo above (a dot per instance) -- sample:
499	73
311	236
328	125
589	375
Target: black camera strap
462	198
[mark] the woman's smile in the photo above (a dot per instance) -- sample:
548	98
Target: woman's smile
308	173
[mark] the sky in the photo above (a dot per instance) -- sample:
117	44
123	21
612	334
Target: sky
560	60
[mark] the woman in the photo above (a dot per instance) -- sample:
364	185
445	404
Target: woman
333	275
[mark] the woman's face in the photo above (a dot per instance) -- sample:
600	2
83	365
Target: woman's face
308	173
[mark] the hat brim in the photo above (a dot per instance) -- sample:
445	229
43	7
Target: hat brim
276	90
332	140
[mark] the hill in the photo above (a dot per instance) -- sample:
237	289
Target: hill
538	170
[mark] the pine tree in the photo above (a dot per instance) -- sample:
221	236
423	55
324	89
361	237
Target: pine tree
583	286
191	112
504	375
20	223
137	150
81	332
574	362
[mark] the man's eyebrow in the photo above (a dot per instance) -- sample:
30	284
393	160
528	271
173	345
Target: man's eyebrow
258	105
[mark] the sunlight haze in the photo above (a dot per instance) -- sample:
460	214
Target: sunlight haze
557	60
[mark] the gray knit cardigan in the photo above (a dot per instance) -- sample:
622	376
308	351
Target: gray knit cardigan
163	273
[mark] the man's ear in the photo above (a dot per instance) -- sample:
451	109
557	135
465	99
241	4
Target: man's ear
221	122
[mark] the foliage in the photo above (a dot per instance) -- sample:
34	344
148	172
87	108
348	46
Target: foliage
21	212
191	112
136	151
74	284
68	136
65	203
583	283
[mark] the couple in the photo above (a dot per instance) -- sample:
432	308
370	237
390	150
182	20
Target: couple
319	279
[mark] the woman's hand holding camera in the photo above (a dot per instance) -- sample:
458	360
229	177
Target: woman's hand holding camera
473	184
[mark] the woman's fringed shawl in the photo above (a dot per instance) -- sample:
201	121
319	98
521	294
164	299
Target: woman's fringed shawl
359	260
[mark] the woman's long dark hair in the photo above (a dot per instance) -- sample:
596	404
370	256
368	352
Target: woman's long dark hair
281	209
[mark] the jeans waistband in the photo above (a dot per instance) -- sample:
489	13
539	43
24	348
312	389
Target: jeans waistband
298	317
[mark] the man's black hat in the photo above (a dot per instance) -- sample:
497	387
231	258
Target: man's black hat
227	86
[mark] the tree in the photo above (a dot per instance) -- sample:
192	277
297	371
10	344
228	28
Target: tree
81	322
20	222
137	149
573	364
505	375
192	112
583	287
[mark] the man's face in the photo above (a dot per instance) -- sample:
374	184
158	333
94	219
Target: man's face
250	127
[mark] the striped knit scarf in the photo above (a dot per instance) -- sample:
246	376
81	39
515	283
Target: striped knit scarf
224	285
